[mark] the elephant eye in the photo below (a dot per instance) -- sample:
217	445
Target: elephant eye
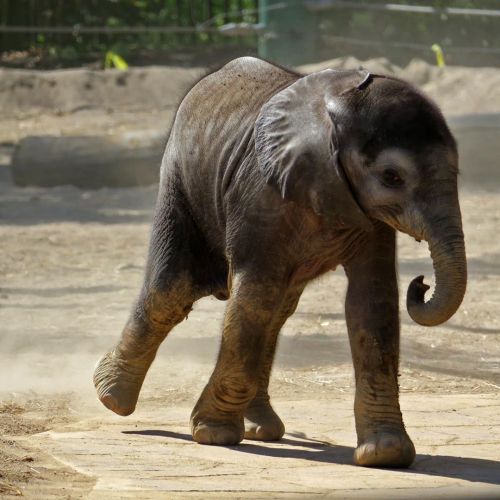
391	178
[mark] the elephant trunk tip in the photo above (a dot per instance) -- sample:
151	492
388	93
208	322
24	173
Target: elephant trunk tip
415	300
447	249
417	289
420	310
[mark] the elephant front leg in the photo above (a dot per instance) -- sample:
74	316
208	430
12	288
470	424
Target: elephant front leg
373	323
249	325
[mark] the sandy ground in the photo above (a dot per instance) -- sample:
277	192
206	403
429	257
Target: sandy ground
71	264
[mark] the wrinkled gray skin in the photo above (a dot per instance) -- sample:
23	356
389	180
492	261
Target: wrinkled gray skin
270	179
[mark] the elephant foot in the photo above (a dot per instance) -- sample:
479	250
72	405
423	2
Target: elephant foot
385	449
118	384
222	433
263	424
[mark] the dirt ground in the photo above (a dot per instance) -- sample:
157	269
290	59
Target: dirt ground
71	263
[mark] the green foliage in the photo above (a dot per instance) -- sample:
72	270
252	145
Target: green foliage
388	29
119	13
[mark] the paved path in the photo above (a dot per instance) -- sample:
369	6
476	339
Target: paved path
151	455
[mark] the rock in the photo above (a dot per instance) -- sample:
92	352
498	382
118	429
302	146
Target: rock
69	90
380	65
418	72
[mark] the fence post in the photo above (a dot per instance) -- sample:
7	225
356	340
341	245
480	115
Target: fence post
291	32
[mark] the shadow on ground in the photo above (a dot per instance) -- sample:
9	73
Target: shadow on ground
468	469
33	206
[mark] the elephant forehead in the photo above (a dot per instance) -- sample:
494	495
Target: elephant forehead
397	157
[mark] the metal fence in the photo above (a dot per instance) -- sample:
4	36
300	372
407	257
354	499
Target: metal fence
467	32
290	32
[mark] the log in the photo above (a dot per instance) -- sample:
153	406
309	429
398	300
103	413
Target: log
133	159
90	162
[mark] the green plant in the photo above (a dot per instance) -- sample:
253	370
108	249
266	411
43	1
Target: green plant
113	60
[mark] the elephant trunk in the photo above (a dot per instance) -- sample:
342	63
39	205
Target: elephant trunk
446	244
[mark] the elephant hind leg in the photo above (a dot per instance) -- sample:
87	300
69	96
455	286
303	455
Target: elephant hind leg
261	421
235	403
169	291
120	373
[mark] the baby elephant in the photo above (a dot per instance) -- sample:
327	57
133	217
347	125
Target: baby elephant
270	179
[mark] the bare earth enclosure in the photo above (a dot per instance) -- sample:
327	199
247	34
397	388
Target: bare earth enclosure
72	261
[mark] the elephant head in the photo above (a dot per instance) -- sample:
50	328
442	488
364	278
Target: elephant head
355	148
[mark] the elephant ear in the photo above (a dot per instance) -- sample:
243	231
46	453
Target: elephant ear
297	145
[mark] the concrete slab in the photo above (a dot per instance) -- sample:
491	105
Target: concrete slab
152	455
